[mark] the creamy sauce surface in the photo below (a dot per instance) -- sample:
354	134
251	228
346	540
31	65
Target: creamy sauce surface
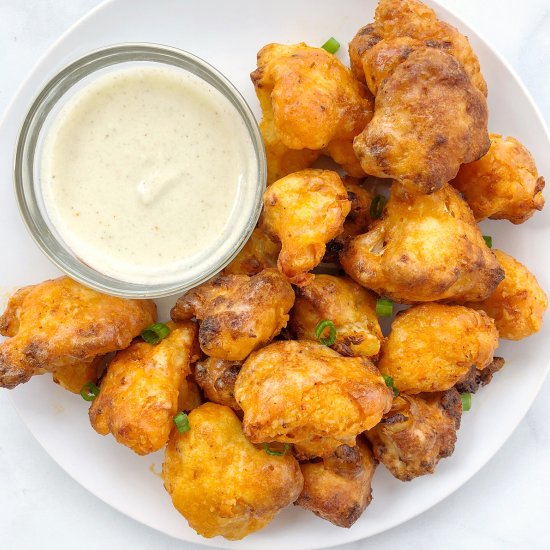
141	172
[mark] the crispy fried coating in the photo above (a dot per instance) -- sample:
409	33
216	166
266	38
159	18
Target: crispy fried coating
425	248
433	346
304	211
310	95
139	393
259	252
503	184
518	303
321	447
413	19
349	306
476	379
220	482
217	378
238	313
428	120
338	489
417	432
285	390
73	376
341	151
61	322
189	396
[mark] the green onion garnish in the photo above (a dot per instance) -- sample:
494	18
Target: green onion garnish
331	45
181	420
488	240
384	307
320	329
154	333
377	206
390	384
89	391
271	452
466	401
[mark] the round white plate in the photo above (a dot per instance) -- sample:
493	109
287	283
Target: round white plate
228	35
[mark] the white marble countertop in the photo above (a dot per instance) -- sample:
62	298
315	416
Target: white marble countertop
505	506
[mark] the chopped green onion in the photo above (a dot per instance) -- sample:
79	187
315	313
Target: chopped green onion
390	384
271	452
181	420
466	401
331	45
377	206
156	332
384	307
89	391
320	329
488	240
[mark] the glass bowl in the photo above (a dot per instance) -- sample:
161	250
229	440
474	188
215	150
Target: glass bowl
30	143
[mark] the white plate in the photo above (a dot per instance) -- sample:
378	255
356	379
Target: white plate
228	35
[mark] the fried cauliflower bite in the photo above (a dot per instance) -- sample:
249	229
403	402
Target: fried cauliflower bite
217	378
424	248
310	95
295	391
417	432
349	306
433	346
518	303
139	393
503	184
304	211
341	151
59	323
220	482
338	489
238	313
412	19
259	253
73	377
428	120
321	447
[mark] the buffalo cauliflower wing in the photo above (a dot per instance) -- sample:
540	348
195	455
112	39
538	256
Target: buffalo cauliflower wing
139	393
431	347
304	211
349	306
417	432
220	482
294	391
503	184
518	303
424	248
59	323
237	313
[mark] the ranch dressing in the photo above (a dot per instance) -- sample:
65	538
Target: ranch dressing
141	172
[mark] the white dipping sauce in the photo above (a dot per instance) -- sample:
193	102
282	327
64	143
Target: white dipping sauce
141	172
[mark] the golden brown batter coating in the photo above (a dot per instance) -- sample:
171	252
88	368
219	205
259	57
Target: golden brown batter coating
518	303
428	120
61	322
139	393
417	432
425	248
238	313
413	19
338	489
220	482
321	447
349	306
311	96
304	211
284	390
341	151
503	184
73	377
433	346
217	378
259	252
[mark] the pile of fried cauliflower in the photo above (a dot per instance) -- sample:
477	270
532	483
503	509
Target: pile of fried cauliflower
273	383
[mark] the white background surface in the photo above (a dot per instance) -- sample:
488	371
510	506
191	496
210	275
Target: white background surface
506	505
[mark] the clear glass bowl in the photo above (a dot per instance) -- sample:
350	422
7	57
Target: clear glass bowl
43	112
